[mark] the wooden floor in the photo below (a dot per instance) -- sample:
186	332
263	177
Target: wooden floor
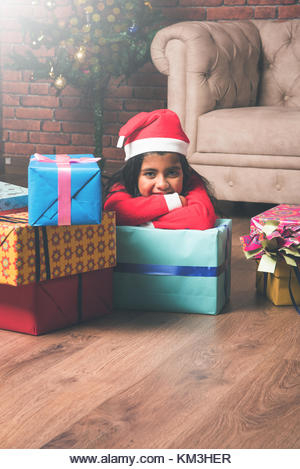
149	380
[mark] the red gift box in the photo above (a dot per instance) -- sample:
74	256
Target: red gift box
47	306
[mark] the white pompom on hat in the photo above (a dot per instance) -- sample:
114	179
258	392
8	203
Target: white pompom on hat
154	131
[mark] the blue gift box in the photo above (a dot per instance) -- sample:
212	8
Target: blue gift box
12	196
186	271
85	193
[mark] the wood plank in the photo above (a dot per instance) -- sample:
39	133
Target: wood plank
264	412
185	388
159	380
69	389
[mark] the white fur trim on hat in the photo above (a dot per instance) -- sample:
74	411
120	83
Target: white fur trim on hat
120	141
146	145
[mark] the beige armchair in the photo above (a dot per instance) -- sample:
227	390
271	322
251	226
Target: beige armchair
236	88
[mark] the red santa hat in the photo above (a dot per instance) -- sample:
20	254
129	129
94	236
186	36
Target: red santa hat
158	130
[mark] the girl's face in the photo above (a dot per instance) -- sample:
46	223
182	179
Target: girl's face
160	174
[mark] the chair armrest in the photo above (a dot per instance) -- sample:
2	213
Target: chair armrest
209	65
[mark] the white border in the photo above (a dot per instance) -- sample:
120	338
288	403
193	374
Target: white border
152	458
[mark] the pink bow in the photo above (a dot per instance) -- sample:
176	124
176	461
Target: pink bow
63	163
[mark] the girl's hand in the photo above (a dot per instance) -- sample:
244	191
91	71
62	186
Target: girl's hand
183	200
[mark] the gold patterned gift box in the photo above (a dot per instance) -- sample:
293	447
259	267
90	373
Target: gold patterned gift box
277	286
31	254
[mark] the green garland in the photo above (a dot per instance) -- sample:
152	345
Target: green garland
97	41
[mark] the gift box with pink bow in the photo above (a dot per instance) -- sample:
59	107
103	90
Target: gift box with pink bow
274	236
64	190
274	242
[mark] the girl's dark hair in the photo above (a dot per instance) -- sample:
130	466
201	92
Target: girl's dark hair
128	176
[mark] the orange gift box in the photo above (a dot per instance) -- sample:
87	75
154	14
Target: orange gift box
276	286
30	254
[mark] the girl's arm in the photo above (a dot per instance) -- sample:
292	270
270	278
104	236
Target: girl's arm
198	214
139	210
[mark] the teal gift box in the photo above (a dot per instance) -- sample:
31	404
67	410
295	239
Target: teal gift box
12	196
183	271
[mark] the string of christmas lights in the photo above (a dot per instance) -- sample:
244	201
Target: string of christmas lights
97	41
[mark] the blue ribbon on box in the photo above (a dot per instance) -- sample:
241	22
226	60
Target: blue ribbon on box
297	273
178	270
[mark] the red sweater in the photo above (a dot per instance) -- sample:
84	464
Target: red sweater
198	214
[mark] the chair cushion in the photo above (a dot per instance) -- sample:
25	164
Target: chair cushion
261	130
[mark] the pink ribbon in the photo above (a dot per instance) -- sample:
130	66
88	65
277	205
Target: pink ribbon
63	163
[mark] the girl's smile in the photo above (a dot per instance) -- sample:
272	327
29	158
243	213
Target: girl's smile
160	174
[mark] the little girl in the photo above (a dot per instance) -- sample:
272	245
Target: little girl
156	187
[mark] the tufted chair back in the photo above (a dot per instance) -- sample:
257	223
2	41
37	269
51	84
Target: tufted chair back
225	56
280	52
220	63
236	88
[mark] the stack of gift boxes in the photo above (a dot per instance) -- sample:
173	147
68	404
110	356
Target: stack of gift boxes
59	265
57	258
274	242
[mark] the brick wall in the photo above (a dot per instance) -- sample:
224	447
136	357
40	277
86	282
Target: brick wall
34	119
